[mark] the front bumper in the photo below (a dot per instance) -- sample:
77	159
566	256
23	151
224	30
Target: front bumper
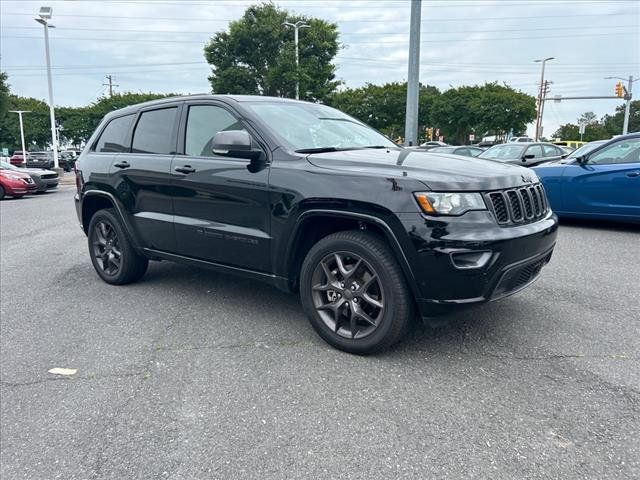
503	260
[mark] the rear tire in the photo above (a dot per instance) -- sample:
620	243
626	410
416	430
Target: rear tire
112	254
354	292
1	192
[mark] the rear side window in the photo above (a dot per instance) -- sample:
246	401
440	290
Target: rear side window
203	122
154	132
550	151
114	136
535	150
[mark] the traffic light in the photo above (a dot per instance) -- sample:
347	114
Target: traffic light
619	90
430	133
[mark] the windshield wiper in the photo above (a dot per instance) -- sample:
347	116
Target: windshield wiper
318	150
335	149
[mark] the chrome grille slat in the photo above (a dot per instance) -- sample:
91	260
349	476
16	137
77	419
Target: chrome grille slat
517	206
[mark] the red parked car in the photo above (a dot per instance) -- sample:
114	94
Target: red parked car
15	184
17	159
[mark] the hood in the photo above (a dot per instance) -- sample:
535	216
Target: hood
438	171
15	173
38	171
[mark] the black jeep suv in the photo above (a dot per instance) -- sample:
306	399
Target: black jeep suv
307	198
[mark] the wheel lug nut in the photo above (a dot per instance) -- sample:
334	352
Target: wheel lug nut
355	300
342	285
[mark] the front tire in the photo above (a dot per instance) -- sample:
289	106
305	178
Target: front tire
2	194
112	254
354	292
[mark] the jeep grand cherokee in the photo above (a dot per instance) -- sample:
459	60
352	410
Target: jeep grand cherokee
308	199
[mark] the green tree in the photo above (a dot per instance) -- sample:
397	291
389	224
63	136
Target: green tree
257	55
4	94
489	109
383	106
37	129
613	123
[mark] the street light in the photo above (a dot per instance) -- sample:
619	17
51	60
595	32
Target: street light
44	15
627	107
24	152
297	26
540	95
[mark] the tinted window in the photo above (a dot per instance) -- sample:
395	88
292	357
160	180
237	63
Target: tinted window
626	151
203	122
154	130
114	135
535	150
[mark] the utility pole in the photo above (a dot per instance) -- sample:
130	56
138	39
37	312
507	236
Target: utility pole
297	26
540	96
45	15
110	84
627	107
627	97
545	90
413	76
24	152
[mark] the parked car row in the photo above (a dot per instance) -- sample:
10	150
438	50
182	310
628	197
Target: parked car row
18	182
599	180
66	159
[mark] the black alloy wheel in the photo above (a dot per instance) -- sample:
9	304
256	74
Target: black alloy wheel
112	253
348	295
106	248
354	292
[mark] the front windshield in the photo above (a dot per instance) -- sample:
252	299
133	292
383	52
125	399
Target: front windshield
306	126
7	166
584	149
504	152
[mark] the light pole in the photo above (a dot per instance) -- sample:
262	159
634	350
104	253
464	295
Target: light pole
413	80
44	16
24	152
297	26
627	97
540	96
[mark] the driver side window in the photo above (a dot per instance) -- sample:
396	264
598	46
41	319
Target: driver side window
203	122
625	151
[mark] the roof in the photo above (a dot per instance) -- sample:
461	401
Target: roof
207	96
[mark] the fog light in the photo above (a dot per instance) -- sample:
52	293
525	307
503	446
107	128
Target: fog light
469	260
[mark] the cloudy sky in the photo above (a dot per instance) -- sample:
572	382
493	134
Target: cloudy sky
157	45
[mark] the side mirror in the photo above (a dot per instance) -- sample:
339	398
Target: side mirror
582	159
528	156
235	143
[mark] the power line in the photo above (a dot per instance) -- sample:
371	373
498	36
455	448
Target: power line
379	42
386	21
426	32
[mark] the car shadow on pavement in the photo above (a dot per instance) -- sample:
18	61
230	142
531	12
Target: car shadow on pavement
205	288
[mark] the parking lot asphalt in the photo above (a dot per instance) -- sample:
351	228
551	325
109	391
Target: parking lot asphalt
193	374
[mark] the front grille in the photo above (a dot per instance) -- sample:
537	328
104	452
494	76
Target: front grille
47	176
518	205
519	277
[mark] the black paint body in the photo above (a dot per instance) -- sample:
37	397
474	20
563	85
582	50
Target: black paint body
235	215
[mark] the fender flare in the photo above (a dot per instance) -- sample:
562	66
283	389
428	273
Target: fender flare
119	213
389	234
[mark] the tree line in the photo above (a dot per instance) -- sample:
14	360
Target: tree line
605	127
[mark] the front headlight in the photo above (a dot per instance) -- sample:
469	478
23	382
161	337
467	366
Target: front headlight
449	203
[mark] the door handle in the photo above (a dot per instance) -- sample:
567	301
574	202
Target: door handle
123	164
185	169
633	174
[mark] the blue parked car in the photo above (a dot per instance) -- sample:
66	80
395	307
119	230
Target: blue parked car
600	180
